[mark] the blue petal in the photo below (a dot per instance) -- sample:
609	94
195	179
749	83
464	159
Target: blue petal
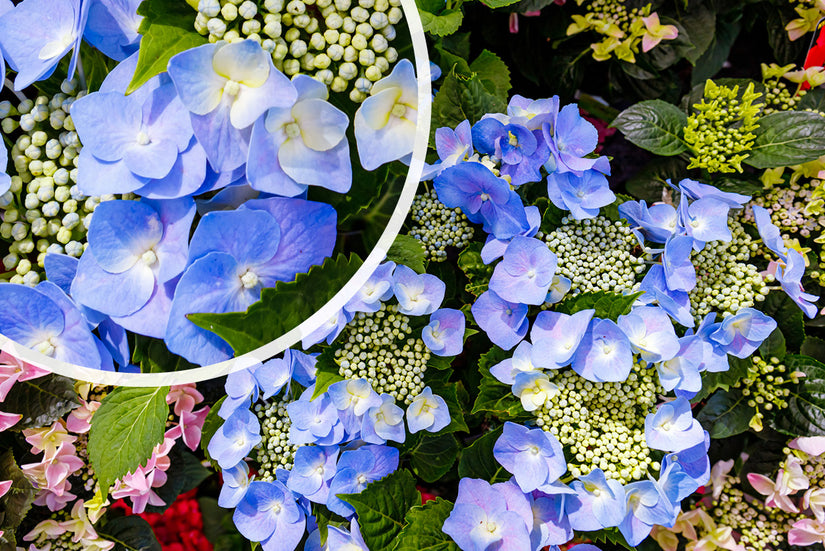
249	236
199	87
112	27
113	237
107	123
114	294
28	316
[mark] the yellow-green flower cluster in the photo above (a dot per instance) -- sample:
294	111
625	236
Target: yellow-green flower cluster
766	387
778	96
438	227
760	528
43	212
596	254
602	425
622	27
725	280
274	451
720	133
809	12
382	348
343	43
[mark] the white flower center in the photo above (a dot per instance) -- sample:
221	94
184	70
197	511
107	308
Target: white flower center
292	130
249	279
143	138
149	257
399	110
46	347
232	87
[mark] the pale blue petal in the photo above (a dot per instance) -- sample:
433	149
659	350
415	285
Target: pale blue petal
199	87
112	236
114	294
251	237
96	177
107	124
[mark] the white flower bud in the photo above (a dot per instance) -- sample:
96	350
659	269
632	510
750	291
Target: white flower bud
388	32
291	35
359	14
382	64
232	35
342	5
248	9
324	3
308	62
364	29
251	27
338	84
296	7
210	8
298	48
363	85
27	123
39	227
317	41
391	54
373	73
23	267
348	71
280	51
292	67
331	36
348	25
379	44
359	42
229	12
10	261
274	6
9	125
344	39
366	57
324	75
216	27
378	20
381	5
335	52
334	21
268	44
74	248
350	54
322	61
63	235
394	15
301	21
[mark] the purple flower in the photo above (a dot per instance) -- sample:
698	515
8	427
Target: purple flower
743	332
444	335
235	484
534	456
604	353
582	194
571	139
705	220
650	332
656	223
556	337
672	428
682	371
494	248
769	232
452	146
384	422
352	399
417	294
269	514
314	421
377	289
526	271
521	362
647	505
680	275
112	27
504	322
522	152
675	303
697	190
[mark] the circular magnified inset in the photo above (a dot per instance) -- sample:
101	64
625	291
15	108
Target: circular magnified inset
176	227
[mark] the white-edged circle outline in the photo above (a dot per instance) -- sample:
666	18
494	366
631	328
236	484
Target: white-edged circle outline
328	310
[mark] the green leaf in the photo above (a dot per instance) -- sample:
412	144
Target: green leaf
449	391
215	518
210	426
130	533
461	99
154	357
409	251
493	396
726	414
493	73
788	138
168	28
431	456
813	99
445	23
423	530
382	506
41	401
813	347
805	414
788	317
773	346
649	182
723	379
440	363
727	29
607	305
700	27
609	536
18	500
477	461
498	3
654	125
323	381
478	274
281	308
129	424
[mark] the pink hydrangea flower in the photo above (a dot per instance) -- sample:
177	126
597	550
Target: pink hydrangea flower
8	420
807	532
185	397
48	439
812	445
79	420
12	370
190	427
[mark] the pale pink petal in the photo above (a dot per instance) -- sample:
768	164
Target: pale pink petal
812	445
762	484
8	420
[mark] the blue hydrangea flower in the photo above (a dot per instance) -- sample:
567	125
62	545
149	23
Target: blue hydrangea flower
525	273
714	354
312	472
769	233
135	249
571	139
647	505
672	428
352	399
599	502
582	194
494	248
556	337
452	146
696	190
705	220
533	456
529	113
741	334
235	438
301	145
559	288
269	514
684	472
234	254
444	335
522	152
551	525
314	421
521	362
329	330
650	332
5	179
427	411
680	274
481	520
262	380
534	389
226	87
112	27
384	422
385	124
5	6
36	34
681	372
45	319
790	277
376	290
675	303
341	540
417	294
604	353
235	484
505	323
656	223
356	469
484	198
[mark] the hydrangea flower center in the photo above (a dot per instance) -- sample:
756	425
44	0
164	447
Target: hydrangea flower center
46	347
399	110
513	140
292	130
149	257
249	279
232	87
143	138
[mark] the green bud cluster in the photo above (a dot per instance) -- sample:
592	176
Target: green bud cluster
43	212
725	281
778	97
620	24
812	465
438	227
274	451
343	43
602	425
760	528
766	386
720	132
596	254
86	475
786	204
381	347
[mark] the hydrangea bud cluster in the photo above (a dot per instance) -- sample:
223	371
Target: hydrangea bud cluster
596	254
760	528
86	476
778	97
720	131
381	347
812	465
438	227
343	43
621	25
603	424
44	211
725	281
274	451
765	386
787	205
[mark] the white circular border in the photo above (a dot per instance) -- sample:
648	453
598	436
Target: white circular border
331	308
